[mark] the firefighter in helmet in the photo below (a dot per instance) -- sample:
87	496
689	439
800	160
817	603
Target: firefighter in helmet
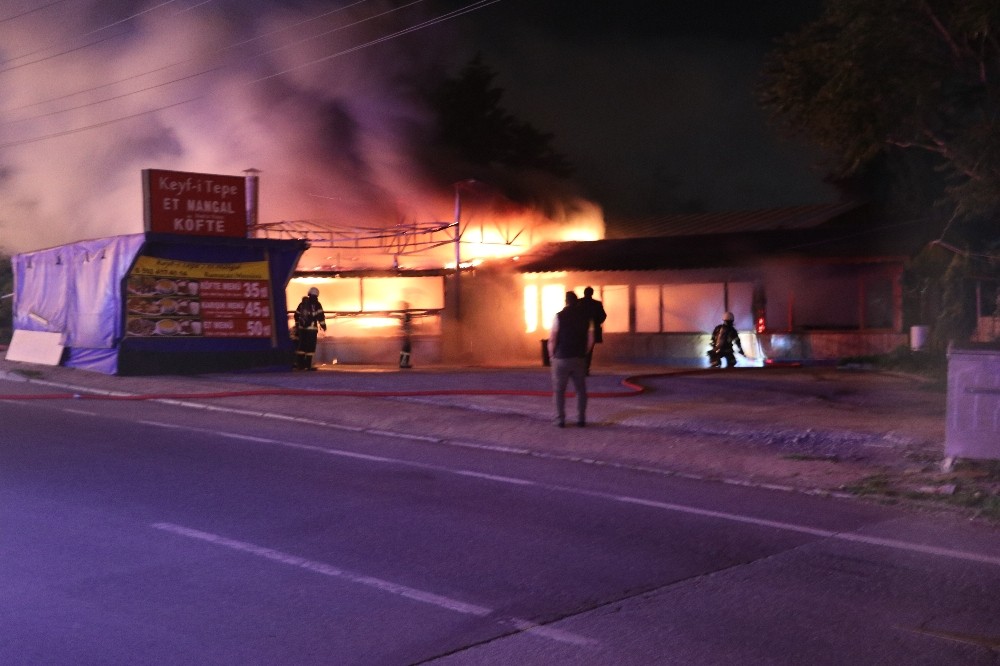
309	317
724	336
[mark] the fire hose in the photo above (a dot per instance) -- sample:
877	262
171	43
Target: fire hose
631	385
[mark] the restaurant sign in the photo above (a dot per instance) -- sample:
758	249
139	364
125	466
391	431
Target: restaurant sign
194	204
181	298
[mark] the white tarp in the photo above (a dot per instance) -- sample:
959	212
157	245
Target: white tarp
75	291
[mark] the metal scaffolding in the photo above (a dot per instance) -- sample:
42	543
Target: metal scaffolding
398	240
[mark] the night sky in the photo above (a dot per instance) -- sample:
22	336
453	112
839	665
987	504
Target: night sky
651	101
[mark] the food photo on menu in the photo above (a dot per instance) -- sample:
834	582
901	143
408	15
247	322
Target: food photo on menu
142	326
150	285
159	305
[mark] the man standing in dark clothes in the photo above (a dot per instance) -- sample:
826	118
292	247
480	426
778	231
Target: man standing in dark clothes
309	317
570	339
595	310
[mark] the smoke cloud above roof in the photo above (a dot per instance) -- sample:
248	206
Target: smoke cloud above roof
327	102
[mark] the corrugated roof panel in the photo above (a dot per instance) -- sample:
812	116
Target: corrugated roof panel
716	250
689	224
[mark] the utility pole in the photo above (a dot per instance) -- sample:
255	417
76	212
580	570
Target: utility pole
458	251
252	199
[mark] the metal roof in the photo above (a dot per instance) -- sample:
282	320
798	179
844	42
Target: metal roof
691	224
831	242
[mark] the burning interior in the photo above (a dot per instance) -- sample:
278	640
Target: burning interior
370	277
663	295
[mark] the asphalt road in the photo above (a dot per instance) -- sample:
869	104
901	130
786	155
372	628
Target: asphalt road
146	532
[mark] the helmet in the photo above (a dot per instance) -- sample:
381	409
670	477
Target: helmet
728	317
313	291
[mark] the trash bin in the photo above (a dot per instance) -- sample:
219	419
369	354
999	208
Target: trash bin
918	337
545	353
972	427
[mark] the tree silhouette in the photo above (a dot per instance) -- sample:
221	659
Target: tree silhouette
908	89
871	79
473	124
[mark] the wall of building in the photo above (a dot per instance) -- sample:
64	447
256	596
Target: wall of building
813	313
826	346
654	317
670	349
833	296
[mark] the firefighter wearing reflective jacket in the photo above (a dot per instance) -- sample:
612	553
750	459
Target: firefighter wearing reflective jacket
309	318
724	336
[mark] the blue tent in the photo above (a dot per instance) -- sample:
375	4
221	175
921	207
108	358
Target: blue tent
91	292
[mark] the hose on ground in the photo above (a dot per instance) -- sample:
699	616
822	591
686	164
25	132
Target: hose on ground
631	385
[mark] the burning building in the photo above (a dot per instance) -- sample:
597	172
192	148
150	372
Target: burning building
807	283
449	277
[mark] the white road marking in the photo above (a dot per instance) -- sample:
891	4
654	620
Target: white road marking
382	585
788	527
895	544
493	477
328	570
920	548
551	633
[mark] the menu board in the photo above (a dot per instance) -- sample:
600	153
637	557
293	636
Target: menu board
169	298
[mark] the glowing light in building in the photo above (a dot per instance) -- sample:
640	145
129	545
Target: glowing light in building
465	264
375	322
530	308
543	298
374	295
371	307
553	300
580	233
541	305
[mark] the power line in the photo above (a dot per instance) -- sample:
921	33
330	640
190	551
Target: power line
195	6
114	97
480	4
86	34
181	62
56	55
105	123
343	27
91	89
211	69
30	11
475	6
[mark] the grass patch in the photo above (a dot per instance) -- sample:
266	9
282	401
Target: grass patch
987	507
929	365
985	469
983	504
978	493
878	484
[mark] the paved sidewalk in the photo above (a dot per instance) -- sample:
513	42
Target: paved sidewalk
818	430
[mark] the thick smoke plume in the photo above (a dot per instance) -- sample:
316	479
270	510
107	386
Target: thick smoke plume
328	103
